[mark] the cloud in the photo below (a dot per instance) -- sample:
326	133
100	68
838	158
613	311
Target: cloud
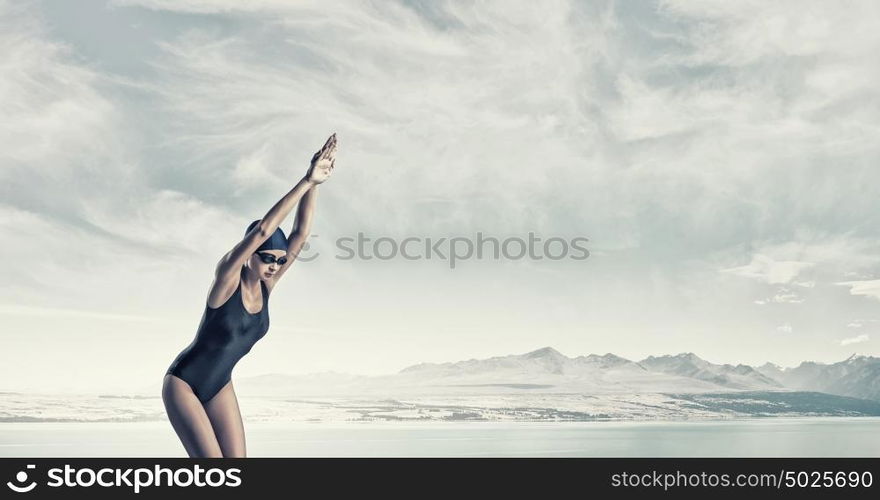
767	270
430	103
74	186
855	340
868	288
807	266
62	137
784	296
859	323
784	328
649	119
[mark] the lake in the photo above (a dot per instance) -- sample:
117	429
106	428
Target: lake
766	437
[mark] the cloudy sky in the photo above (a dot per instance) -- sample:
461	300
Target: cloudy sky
721	158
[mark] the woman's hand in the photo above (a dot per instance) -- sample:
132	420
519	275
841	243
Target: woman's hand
323	162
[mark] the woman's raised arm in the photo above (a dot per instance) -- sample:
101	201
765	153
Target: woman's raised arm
319	170
302	227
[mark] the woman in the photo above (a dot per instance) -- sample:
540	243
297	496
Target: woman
197	389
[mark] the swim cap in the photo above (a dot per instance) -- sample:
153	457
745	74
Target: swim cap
275	242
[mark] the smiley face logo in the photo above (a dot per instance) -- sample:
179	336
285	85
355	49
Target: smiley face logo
21	477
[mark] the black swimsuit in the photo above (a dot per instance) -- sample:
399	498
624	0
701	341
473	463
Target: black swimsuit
224	336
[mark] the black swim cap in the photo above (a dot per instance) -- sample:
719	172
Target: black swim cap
275	242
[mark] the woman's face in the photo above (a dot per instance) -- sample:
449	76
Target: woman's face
266	270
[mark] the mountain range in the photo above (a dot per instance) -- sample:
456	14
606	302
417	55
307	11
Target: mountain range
546	370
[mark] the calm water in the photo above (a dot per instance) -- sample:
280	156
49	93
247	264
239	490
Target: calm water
790	437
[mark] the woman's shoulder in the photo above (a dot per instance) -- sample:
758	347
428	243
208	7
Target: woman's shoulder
220	292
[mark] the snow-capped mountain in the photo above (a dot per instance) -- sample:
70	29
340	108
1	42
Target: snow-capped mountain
857	376
690	365
543	363
547	370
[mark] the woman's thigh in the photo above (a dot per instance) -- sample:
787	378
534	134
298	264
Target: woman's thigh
225	416
189	419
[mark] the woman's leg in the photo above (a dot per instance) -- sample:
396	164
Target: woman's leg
188	418
225	417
